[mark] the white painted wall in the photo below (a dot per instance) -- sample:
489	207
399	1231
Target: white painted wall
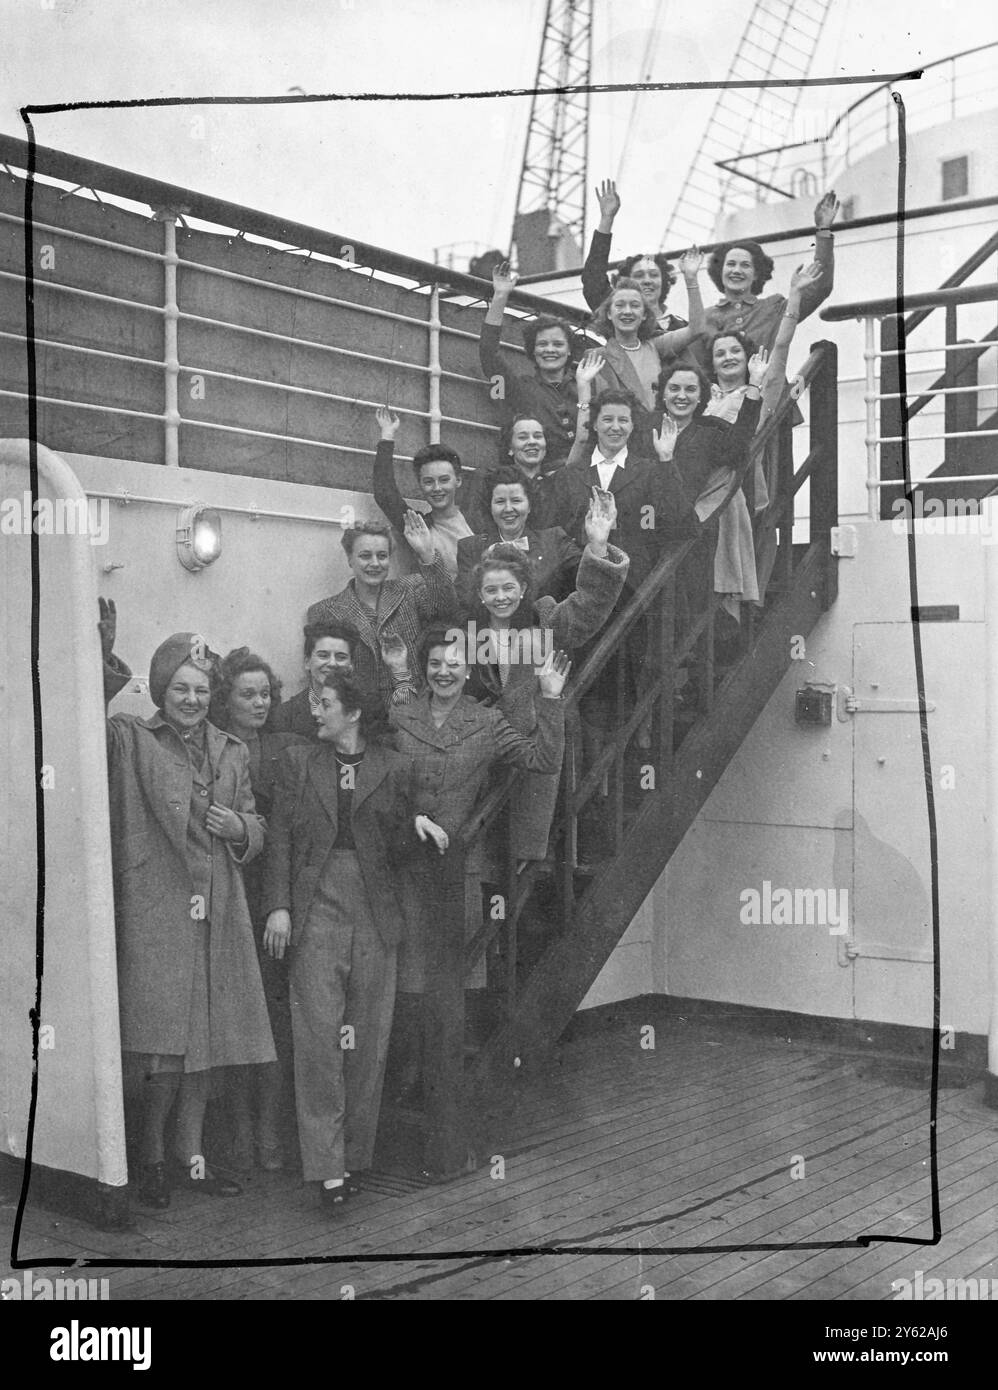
812	807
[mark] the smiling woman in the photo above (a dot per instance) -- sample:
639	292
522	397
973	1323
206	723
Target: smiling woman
384	610
189	984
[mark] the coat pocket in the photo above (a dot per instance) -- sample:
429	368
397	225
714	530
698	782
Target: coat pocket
133	850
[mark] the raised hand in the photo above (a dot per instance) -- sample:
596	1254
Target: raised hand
419	536
277	933
608	199
428	829
590	366
503	281
758	367
387	420
690	262
107	626
601	518
553	675
395	654
665	440
825	209
804	276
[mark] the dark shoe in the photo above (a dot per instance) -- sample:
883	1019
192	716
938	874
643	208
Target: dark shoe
154	1186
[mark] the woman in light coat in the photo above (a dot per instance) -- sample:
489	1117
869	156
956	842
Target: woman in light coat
182	822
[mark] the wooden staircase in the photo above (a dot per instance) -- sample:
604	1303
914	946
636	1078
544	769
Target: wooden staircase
644	817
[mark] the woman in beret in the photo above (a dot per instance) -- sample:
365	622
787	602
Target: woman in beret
183	821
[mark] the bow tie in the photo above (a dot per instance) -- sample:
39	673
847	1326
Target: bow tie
522	543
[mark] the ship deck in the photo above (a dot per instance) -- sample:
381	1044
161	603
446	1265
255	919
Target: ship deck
720	1165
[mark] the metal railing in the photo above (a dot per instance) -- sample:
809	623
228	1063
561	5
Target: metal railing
949	88
596	775
890	407
362	270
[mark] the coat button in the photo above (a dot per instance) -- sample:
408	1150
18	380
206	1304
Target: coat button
202	792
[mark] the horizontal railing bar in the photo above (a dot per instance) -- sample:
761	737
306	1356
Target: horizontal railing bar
924	351
321	347
84	236
897	305
153	192
931	478
331	396
939	391
83	405
201	424
250	329
923	438
795	234
124	496
87	294
93	352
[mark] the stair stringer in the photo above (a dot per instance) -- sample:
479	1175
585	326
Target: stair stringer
562	978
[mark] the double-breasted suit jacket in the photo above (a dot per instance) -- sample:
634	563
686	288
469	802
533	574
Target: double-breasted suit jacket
652	509
153	792
304	823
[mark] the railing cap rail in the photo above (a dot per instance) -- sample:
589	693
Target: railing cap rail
898	305
122	183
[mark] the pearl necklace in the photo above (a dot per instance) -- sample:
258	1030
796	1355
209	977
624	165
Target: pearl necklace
637	347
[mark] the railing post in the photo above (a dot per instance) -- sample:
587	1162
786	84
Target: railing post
870	399
892	414
434	364
665	630
171	318
825	478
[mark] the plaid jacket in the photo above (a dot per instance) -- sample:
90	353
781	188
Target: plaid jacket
405	607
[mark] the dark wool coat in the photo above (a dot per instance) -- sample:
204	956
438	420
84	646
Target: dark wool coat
294	716
303	828
151	780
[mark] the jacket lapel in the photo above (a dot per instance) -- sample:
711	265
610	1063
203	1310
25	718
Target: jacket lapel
322	770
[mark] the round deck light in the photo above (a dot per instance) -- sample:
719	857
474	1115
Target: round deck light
199	536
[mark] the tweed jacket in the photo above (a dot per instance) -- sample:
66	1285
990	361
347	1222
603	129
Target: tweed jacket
450	765
553	556
151	782
303	828
405	607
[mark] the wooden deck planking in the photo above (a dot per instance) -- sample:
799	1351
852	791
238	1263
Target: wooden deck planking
689	1143
717	1226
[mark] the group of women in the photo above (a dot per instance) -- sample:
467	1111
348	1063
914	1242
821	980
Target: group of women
268	856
